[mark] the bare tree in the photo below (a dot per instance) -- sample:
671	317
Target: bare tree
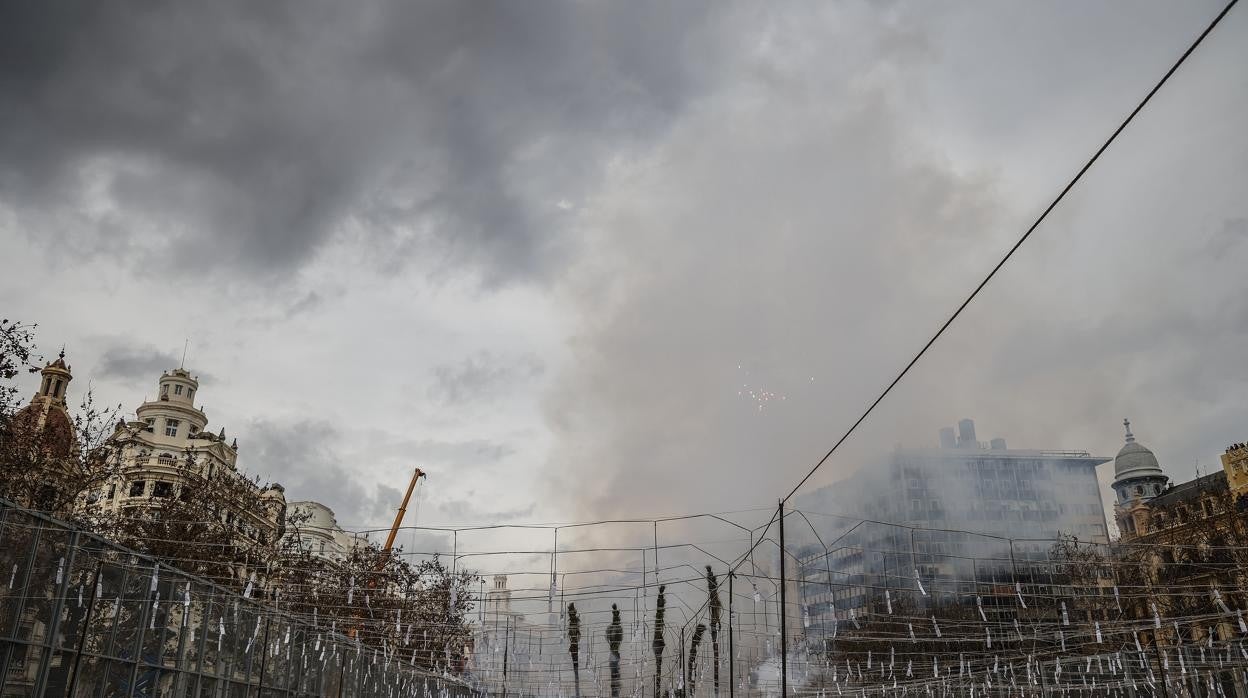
691	677
419	611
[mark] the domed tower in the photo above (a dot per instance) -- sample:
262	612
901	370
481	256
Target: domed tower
1137	478
47	412
173	417
50	442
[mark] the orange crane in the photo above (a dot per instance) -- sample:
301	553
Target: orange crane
394	531
398	519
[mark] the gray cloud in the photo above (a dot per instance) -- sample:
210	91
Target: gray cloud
482	376
469	510
723	198
1232	233
134	363
235	137
807	230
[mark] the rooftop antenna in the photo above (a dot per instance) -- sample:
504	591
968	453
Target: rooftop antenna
186	342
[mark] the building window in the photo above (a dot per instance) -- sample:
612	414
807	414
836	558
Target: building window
177	390
112	491
151	424
163	490
137	487
190	394
171	427
194	430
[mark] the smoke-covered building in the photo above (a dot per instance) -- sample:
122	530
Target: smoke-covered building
962	516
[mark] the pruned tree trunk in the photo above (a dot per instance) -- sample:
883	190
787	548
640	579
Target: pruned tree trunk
659	643
615	635
574	647
715	608
691	680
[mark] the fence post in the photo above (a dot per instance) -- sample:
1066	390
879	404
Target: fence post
20	607
732	673
784	612
142	629
264	654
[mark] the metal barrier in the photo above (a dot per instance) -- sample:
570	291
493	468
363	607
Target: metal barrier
83	617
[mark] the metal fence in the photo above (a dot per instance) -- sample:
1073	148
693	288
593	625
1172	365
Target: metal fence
80	616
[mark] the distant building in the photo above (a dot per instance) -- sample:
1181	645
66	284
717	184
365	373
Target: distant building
1148	507
170	446
502	642
314	528
1188	535
945	515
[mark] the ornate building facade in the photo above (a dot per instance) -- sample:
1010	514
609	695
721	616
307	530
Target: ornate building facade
168	447
1148	507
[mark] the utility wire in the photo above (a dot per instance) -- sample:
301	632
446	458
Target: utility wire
1061	195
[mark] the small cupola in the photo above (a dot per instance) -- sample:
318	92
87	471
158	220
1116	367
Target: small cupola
56	377
179	386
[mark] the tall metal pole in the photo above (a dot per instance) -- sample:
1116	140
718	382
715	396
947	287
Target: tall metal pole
1161	666
264	654
82	634
784	631
732	673
684	676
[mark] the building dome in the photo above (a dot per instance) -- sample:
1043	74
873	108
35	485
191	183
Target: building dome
1134	460
48	425
45	420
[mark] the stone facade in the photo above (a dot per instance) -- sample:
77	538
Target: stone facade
315	529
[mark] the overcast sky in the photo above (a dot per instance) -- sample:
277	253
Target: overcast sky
547	251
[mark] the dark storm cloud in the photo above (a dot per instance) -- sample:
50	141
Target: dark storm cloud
469	510
482	376
302	456
307	458
134	364
242	135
